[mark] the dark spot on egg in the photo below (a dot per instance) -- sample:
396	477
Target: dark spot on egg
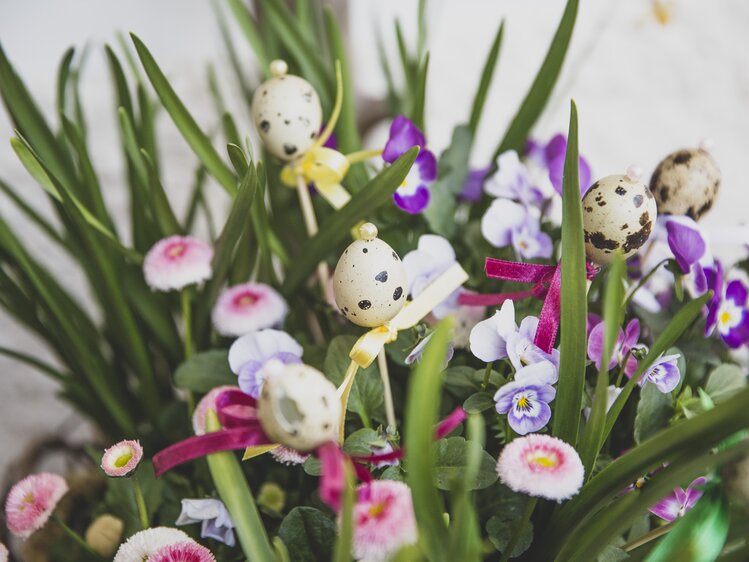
398	293
395	257
599	240
324	401
625	226
265	126
637	239
326	426
644	218
286	122
588	209
364	250
365	305
382	276
682	157
594	186
312	135
620	190
637	200
265	92
289	149
601	203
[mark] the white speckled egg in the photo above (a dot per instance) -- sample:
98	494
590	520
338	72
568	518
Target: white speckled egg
287	113
369	282
686	182
298	407
618	214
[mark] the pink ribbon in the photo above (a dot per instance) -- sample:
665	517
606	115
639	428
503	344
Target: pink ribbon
547	286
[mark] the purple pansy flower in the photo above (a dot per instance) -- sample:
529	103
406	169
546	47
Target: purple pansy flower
473	186
664	373
499	337
413	194
679	501
249	354
685	240
626	341
728	310
432	257
513	181
215	520
551	156
419	348
508	223
526	403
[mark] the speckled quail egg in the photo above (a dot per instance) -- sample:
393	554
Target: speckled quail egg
287	113
686	182
369	282
298	407
618	214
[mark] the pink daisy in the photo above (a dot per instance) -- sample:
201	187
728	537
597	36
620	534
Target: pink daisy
176	262
31	502
207	402
384	520
248	307
187	551
541	465
287	456
143	544
121	458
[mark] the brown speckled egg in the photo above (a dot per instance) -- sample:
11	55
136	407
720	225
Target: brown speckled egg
618	214
369	282
298	407
287	113
686	182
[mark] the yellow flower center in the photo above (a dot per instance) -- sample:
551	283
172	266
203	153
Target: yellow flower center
123	459
543	459
246	300
523	403
176	250
377	509
725	317
27	499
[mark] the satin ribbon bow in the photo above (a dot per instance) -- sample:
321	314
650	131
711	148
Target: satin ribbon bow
326	168
547	286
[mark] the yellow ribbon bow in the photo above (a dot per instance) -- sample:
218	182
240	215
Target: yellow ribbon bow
368	346
324	167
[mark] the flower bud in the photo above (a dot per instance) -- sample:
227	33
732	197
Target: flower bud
104	534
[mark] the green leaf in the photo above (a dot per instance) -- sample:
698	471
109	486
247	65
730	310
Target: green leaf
478	402
338	226
653	412
543	85
33	215
361	441
186	124
205	371
162	209
231	485
249	30
419	103
613	313
479	99
724	381
451	463
367	393
700	535
343	545
574	305
308	534
500	528
421	416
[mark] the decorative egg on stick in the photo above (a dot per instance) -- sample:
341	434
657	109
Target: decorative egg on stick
619	212
369	282
686	182
298	407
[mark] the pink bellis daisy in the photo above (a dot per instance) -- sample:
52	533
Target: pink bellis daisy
121	458
143	544
384	520
541	466
287	456
413	194
207	402
248	307
187	551
31	501
176	262
680	501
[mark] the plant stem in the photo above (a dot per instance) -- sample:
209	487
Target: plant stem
184	298
73	535
310	222
382	364
529	507
647	537
141	503
643	280
487	374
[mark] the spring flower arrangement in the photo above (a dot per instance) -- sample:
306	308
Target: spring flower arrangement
381	353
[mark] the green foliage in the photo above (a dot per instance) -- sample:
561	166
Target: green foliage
205	371
451	464
308	534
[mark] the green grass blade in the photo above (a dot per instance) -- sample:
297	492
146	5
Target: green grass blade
63	75
419	104
613	314
231	485
343	544
34	216
421	416
195	137
338	227
540	91
479	99
162	209
32	361
574	306
249	29
147	130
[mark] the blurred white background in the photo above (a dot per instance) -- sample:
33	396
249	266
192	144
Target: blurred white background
643	86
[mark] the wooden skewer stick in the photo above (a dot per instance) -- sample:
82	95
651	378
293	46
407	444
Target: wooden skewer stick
382	365
310	222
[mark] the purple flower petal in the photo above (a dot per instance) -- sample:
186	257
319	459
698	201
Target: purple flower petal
426	163
557	146
473	186
736	292
686	243
631	335
556	173
403	135
595	346
739	334
413	204
525	424
667	509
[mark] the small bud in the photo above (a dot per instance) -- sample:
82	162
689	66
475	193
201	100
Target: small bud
272	497
104	534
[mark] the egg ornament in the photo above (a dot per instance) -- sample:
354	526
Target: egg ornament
686	182
619	213
369	283
298	407
287	113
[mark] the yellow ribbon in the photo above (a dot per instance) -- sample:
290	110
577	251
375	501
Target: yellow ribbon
324	167
368	346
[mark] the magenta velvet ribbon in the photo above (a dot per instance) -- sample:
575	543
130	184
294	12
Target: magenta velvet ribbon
547	286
